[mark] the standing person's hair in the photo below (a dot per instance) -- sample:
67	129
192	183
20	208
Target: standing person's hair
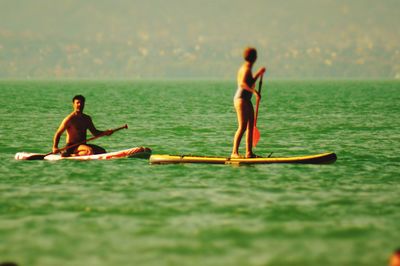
250	54
78	97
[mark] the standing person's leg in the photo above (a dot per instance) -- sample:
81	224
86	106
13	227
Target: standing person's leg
250	128
240	107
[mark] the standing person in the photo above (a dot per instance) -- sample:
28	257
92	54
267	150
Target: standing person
76	124
242	102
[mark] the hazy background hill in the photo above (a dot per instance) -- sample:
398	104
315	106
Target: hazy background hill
198	39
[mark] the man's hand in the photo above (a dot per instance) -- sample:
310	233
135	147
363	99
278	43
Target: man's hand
108	132
55	150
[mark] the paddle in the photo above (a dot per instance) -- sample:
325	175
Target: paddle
256	132
41	156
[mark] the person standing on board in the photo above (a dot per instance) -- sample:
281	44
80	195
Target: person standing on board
76	124
242	102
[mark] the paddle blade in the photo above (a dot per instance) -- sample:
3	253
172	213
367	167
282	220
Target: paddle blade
30	156
36	157
256	136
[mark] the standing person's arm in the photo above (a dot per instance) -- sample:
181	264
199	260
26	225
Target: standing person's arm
259	73
244	85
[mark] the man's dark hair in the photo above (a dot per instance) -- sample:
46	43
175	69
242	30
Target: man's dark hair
78	97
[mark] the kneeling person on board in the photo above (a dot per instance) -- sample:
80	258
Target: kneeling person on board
76	125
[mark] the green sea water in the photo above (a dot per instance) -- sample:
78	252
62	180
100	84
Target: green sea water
128	212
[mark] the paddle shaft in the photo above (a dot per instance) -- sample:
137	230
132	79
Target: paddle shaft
89	139
256	132
258	100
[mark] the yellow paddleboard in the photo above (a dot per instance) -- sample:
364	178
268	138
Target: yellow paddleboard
323	158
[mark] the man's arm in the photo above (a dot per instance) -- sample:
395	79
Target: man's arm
95	131
57	135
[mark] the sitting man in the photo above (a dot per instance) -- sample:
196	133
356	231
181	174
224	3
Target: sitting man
76	125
